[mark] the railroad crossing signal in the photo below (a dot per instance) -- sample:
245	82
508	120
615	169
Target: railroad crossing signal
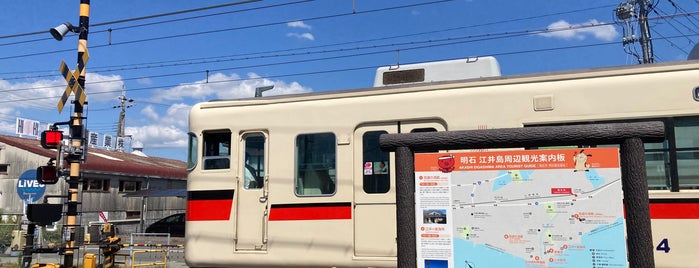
73	85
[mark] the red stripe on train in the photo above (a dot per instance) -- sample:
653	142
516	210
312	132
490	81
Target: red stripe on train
209	210
674	210
301	213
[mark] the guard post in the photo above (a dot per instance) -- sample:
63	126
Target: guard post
630	137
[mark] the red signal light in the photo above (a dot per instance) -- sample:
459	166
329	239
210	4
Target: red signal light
47	175
50	139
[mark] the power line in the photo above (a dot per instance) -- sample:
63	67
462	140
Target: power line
252	66
110	30
236	28
140	66
218	58
420	45
142	18
423	44
327	71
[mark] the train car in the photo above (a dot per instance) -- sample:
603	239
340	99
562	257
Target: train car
281	181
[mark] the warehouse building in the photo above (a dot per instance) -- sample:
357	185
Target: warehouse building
126	189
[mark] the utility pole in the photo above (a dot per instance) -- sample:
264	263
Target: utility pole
625	12
122	114
646	42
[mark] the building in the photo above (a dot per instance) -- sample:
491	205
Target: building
130	190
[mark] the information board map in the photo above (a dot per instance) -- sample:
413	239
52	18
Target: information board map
526	208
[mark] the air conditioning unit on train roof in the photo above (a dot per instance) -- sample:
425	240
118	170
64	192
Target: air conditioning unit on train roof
459	69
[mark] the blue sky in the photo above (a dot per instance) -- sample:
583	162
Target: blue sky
165	61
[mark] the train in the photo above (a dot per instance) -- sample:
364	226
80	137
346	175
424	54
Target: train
281	181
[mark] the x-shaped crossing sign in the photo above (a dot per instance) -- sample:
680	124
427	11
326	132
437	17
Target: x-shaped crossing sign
73	85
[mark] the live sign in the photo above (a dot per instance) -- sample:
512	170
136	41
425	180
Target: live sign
28	189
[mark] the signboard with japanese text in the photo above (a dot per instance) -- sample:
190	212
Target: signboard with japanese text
27	127
524	208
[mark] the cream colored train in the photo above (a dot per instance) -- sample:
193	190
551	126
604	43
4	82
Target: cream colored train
295	180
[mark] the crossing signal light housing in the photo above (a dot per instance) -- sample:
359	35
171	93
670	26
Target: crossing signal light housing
47	174
51	139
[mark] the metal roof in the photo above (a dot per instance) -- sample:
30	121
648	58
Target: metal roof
105	161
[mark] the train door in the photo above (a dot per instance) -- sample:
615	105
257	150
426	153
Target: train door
251	203
374	187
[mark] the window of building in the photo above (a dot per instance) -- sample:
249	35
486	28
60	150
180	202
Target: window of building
4	168
217	149
129	186
315	164
96	185
133	214
376	170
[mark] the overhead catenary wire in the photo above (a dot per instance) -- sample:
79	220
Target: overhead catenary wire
142	17
317	72
391	49
421	45
233	28
218	59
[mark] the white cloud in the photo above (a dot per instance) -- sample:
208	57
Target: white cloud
150	113
222	86
167	128
162	131
177	115
307	36
301	25
41	94
298	24
158	136
564	30
7	126
103	87
144	81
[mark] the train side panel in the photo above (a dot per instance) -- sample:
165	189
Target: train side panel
289	223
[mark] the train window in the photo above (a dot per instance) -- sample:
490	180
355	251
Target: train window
192	151
217	150
376	170
315	164
657	159
687	147
674	163
254	161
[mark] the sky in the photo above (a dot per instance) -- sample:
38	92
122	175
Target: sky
168	55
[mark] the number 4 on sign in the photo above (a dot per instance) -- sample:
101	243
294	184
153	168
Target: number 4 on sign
663	246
